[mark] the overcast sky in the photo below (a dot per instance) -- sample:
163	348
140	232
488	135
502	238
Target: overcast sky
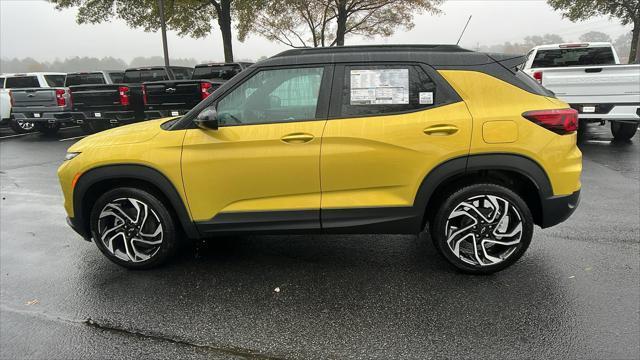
33	28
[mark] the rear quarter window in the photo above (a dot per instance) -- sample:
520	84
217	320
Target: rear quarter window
20	82
386	89
55	80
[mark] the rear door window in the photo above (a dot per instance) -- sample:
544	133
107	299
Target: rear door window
55	80
21	82
573	57
85	79
116	77
216	72
385	89
182	73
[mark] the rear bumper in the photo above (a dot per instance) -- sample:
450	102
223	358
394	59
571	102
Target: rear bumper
157	114
47	117
557	209
612	112
124	116
73	223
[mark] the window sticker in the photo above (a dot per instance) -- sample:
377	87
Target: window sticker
426	97
385	86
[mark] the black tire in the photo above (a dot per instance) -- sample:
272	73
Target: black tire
47	129
87	128
512	253
623	131
157	213
21	127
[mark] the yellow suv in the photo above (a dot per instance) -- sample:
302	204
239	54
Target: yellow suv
362	139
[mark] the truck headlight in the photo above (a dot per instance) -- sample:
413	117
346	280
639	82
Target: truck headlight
70	155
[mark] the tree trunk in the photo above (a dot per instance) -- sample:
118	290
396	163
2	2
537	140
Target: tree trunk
634	53
224	21
342	23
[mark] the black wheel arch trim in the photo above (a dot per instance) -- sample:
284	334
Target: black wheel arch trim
130	171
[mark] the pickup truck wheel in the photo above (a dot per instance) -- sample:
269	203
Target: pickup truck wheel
623	131
20	126
48	129
482	228
87	128
133	228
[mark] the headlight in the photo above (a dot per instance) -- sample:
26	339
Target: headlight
71	155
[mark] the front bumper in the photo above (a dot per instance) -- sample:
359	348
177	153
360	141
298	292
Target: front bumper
78	228
557	209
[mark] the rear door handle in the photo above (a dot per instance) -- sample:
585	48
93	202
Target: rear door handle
297	138
441	130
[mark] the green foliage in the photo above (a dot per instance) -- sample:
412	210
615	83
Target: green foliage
627	11
595	36
301	23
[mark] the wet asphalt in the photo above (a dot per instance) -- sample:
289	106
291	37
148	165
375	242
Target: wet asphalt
575	293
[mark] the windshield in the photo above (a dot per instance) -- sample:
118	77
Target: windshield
216	72
573	57
85	79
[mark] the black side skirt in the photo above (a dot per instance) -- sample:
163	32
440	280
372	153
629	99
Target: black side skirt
387	220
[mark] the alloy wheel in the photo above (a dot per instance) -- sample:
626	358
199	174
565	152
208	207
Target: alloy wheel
25	125
484	230
130	229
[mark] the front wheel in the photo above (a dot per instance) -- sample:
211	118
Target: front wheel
20	126
482	228
623	131
133	228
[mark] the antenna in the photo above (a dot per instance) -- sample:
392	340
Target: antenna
463	30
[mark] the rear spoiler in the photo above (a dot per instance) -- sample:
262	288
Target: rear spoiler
510	61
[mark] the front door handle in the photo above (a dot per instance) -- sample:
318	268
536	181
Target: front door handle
441	130
297	138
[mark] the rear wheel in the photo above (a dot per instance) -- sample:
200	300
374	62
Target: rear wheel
47	129
133	228
87	128
482	228
623	131
20	126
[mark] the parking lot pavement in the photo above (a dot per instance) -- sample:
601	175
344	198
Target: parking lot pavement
575	294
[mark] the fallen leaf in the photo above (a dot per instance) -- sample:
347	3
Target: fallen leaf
33	302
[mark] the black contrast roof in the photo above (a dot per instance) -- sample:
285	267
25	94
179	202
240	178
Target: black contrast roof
437	55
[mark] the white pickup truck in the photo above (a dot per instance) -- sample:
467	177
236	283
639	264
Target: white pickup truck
589	77
18	83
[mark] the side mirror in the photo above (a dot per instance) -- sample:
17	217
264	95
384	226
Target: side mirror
207	119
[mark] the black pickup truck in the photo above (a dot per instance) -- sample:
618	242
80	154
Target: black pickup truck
107	105
177	97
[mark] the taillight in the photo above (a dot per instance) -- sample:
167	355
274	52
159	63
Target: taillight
13	101
60	99
538	76
124	95
204	89
144	94
559	121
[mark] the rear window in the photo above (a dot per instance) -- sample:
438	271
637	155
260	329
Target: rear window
116	77
573	57
182	73
85	79
20	82
216	72
140	76
55	80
